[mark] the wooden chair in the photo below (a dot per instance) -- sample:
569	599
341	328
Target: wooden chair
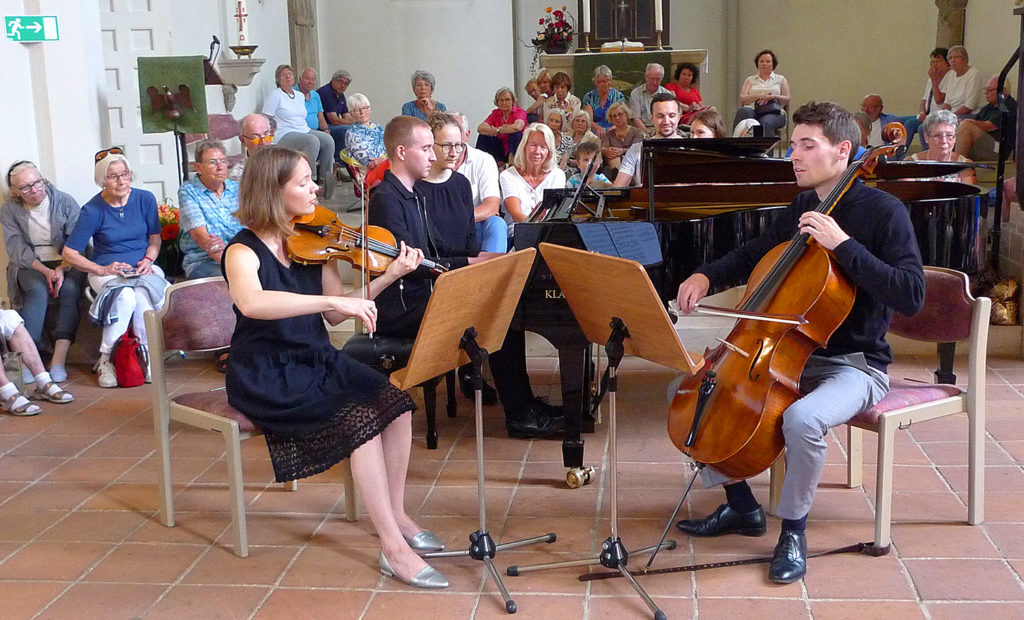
197	316
950	315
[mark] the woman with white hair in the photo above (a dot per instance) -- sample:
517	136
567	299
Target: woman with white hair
940	134
124	227
500	133
37	219
600	99
288	109
534	170
364	141
423	87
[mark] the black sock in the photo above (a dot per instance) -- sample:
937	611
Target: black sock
740	497
795	525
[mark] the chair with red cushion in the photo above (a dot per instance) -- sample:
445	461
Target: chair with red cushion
197	317
950	315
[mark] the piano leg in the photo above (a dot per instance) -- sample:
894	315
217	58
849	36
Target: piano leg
577	370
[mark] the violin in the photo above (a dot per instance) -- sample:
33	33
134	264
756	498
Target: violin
321	237
728	415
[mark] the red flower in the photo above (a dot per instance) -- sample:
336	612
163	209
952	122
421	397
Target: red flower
557	37
169	232
558	14
541	21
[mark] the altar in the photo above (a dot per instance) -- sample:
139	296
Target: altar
627	67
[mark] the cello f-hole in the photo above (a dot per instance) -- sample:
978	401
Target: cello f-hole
753	362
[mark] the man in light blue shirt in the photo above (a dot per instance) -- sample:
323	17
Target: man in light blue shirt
314	106
207	203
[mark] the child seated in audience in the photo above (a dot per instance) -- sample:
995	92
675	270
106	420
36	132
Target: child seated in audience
586	152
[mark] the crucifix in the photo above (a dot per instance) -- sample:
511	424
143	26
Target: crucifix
242	17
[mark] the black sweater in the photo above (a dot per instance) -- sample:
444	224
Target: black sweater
881	259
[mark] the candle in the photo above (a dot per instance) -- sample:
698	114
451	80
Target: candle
657	15
242	16
586	15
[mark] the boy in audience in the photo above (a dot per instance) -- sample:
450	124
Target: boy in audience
586	152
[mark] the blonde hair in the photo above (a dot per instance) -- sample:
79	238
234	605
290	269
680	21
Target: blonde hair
260	206
549	139
105	163
17	168
615	106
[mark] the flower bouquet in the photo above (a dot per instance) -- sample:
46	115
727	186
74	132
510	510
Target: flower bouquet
555	37
170	256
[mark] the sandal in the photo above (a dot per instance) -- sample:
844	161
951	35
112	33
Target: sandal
24	409
59	396
222	362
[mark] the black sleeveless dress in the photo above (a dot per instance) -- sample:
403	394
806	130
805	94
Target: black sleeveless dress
314	403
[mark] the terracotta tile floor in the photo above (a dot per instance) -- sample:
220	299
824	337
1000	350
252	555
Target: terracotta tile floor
79	537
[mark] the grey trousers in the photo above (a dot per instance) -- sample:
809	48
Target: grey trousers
835	390
319	148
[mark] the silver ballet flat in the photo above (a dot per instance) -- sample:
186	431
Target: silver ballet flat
426	578
425	541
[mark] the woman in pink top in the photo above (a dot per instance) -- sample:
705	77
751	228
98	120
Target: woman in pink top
502	130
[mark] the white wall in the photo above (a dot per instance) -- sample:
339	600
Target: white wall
466	44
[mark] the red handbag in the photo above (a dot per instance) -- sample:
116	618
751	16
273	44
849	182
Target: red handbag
127	360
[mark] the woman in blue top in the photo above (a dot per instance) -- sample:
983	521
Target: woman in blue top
123	224
424	103
600	99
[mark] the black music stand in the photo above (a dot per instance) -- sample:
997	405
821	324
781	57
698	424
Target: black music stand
468	314
616	304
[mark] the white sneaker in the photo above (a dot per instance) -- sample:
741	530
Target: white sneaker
107	374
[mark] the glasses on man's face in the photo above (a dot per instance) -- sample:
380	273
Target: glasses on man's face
31	187
448	147
119	176
216	162
114	150
256	140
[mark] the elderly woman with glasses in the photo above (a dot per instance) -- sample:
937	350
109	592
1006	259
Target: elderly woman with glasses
423	87
37	219
287	106
364	141
598	101
940	134
501	131
208	202
123	225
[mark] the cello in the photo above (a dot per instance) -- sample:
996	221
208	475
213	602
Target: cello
728	415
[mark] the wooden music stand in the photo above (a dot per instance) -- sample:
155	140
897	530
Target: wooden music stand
616	305
468	315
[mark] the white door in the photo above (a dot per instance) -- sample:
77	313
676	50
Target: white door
133	28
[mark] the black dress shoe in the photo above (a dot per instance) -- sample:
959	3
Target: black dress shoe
789	562
725	520
488	394
533	421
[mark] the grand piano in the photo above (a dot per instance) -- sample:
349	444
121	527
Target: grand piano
704	198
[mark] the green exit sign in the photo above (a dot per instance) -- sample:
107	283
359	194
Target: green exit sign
24	28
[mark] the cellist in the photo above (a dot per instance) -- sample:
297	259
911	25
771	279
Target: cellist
871	238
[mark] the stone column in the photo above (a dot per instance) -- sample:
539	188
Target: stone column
302	36
949	30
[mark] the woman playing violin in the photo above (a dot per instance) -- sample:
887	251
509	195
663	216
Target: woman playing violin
315	404
871	239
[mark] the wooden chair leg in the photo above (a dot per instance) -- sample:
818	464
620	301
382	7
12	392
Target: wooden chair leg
855	456
883	492
236	489
163	445
976	462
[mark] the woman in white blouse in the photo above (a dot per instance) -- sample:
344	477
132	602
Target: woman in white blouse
764	95
534	169
288	108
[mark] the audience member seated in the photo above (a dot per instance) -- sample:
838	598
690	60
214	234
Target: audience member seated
764	95
597	101
937	82
18	339
533	90
940	133
640	97
37	219
257	131
864	123
685	90
666	111
208	202
332	97
563	149
707	123
562	100
963	93
314	107
534	170
543	94
314	403
579	131
289	113
364	141
585	153
499	134
123	225
619	137
872	106
423	88
482	172
978	137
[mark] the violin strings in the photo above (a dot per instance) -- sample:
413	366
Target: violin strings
374	245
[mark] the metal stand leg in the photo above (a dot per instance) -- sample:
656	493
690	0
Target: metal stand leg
613	552
481	544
